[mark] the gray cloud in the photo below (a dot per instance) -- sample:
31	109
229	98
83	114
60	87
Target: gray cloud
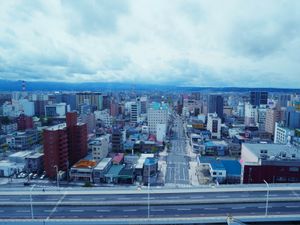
189	42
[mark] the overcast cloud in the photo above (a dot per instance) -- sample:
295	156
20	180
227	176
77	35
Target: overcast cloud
189	43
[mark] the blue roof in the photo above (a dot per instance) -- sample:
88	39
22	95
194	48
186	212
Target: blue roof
150	161
159	106
233	167
215	164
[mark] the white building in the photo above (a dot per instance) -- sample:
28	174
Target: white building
8	168
26	107
261	117
157	114
251	114
282	134
57	110
104	116
99	147
214	125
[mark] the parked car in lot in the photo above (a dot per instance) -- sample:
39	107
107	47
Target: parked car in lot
34	176
42	177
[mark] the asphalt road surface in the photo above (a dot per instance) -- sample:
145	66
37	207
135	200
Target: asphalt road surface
177	160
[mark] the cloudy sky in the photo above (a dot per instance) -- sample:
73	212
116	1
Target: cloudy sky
189	43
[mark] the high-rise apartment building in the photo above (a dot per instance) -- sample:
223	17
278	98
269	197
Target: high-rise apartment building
77	138
214	125
55	141
95	99
272	116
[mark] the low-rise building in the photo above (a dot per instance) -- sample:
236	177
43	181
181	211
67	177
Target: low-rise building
222	171
82	170
101	169
274	163
8	168
34	163
99	147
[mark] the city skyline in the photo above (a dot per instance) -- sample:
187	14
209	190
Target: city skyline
186	43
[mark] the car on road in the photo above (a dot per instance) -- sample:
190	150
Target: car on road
42	177
34	176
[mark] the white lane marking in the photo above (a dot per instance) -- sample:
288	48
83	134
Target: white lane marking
24	199
198	197
173	197
263	207
99	198
76	210
157	210
102	210
129	210
184	209
76	199
241	207
123	198
222	196
4	199
210	208
51	199
23	211
292	206
1	210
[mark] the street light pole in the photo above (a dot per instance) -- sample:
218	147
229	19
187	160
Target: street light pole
57	178
267	199
31	207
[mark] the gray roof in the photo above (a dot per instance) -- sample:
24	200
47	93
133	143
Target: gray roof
273	149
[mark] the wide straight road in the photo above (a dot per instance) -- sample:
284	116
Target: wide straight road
64	197
177	159
203	210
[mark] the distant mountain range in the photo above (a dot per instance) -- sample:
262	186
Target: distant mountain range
10	85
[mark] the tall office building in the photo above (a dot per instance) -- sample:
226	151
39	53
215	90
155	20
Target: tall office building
292	117
77	138
283	100
95	99
215	105
55	140
157	114
258	98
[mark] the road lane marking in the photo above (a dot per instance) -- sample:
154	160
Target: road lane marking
210	208
99	198
184	209
47	210
129	210
76	210
123	198
292	206
222	196
173	197
241	207
4	199
263	207
24	199
102	210
157	210
198	197
76	199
